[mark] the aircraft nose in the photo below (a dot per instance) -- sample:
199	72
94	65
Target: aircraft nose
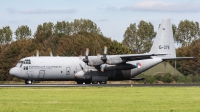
11	72
15	71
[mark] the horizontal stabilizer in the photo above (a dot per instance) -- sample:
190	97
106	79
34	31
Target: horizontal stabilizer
179	58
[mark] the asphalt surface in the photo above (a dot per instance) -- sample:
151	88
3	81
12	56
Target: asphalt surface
99	85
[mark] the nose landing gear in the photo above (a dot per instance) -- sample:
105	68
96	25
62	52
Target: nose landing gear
28	81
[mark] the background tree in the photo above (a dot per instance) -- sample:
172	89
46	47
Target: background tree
174	30
146	34
131	39
5	35
85	25
44	31
23	32
1	37
62	28
139	40
188	67
186	32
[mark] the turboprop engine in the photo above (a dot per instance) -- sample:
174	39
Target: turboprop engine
98	60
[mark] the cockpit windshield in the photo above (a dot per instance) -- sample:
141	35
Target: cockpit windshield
21	62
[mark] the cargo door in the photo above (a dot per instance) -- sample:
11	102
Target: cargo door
41	74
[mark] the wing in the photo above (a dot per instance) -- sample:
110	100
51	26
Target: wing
132	57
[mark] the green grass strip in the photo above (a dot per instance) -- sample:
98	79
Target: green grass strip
100	99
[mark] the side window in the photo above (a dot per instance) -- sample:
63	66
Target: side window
25	67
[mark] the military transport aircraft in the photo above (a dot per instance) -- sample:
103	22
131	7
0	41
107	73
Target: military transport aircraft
98	69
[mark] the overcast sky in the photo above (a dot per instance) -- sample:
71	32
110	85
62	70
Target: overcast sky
112	16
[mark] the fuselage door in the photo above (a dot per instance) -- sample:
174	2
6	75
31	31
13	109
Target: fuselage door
41	74
67	70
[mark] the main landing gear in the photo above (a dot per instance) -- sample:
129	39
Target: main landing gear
93	82
28	81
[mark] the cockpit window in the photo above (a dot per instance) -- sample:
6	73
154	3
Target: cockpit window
21	62
27	61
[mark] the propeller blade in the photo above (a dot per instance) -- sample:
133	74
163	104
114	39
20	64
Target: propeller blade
51	54
104	58
87	52
105	50
37	53
103	67
86	56
81	66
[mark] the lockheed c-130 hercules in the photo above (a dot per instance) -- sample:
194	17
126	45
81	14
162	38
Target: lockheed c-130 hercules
98	69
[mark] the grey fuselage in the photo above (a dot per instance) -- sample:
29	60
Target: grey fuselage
65	68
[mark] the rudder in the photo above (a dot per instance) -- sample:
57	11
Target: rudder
164	41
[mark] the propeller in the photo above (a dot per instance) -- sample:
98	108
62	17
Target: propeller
83	68
103	67
37	53
105	50
51	54
86	56
104	58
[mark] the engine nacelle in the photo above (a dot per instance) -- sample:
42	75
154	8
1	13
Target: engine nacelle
111	60
95	61
114	60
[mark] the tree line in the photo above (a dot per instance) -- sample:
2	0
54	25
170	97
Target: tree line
71	38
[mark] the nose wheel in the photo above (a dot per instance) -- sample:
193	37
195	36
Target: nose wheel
28	81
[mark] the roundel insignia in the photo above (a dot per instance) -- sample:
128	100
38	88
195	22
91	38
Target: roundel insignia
138	64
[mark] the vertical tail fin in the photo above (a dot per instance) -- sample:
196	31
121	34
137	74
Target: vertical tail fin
164	41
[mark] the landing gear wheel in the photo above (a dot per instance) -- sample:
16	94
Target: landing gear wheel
28	81
94	82
79	82
87	82
102	82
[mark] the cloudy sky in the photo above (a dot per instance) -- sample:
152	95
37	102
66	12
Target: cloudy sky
112	16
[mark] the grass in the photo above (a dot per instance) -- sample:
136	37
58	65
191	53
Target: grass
100	99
